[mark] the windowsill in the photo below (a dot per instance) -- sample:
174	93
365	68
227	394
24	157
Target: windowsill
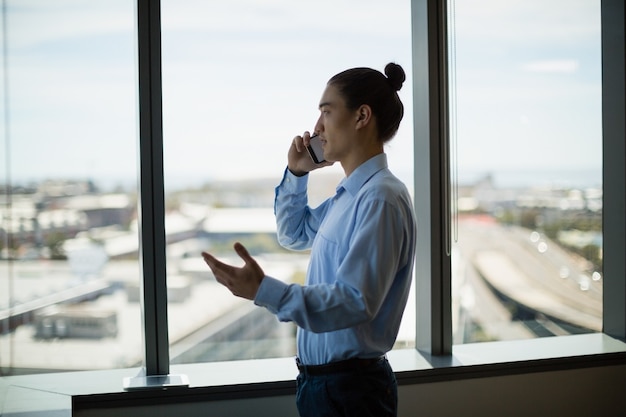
53	394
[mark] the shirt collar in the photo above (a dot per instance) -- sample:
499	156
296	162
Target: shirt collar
363	173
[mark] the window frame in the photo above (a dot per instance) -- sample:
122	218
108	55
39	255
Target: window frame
433	360
613	15
432	174
431	128
151	209
431	177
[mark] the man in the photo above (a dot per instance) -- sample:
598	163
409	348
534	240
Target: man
362	244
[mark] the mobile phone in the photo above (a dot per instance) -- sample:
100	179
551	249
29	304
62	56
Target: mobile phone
315	149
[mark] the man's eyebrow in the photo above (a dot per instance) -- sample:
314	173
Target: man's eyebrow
326	103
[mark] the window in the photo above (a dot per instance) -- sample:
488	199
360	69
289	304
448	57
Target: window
68	224
228	120
433	317
240	80
527	163
435	294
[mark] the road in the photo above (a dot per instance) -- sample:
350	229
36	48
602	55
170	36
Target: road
502	272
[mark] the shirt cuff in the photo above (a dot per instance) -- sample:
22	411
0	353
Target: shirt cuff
292	183
270	293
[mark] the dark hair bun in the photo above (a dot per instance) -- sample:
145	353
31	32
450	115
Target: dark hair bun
395	75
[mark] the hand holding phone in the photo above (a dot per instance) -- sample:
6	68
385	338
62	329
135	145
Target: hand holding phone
315	149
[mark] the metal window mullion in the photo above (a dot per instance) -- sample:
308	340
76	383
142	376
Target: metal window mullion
431	175
152	198
613	17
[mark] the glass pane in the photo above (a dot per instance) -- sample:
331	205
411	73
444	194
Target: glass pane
527	261
68	248
240	80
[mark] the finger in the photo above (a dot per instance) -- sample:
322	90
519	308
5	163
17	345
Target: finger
218	268
221	277
298	142
306	138
209	259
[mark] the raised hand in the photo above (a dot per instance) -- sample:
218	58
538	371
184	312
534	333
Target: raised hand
241	281
298	160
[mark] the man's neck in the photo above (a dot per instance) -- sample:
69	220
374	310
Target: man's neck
358	158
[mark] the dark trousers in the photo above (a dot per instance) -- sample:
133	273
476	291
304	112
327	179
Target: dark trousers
369	391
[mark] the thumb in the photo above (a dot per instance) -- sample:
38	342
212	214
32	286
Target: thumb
249	260
243	252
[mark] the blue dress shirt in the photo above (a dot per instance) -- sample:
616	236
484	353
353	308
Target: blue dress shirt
362	244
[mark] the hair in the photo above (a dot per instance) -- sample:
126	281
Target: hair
360	86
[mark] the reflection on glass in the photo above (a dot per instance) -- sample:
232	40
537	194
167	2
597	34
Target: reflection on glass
68	238
528	259
240	80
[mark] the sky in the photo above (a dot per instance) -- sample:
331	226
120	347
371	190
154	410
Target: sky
242	78
529	86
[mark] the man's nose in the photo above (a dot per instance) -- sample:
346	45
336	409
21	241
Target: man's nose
319	127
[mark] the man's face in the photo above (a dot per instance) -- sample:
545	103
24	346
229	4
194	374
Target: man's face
335	125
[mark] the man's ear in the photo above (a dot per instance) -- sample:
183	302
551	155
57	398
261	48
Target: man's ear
363	116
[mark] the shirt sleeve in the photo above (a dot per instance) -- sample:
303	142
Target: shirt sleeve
270	294
296	222
360	284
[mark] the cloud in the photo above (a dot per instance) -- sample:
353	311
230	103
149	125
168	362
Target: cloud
530	22
33	23
557	66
